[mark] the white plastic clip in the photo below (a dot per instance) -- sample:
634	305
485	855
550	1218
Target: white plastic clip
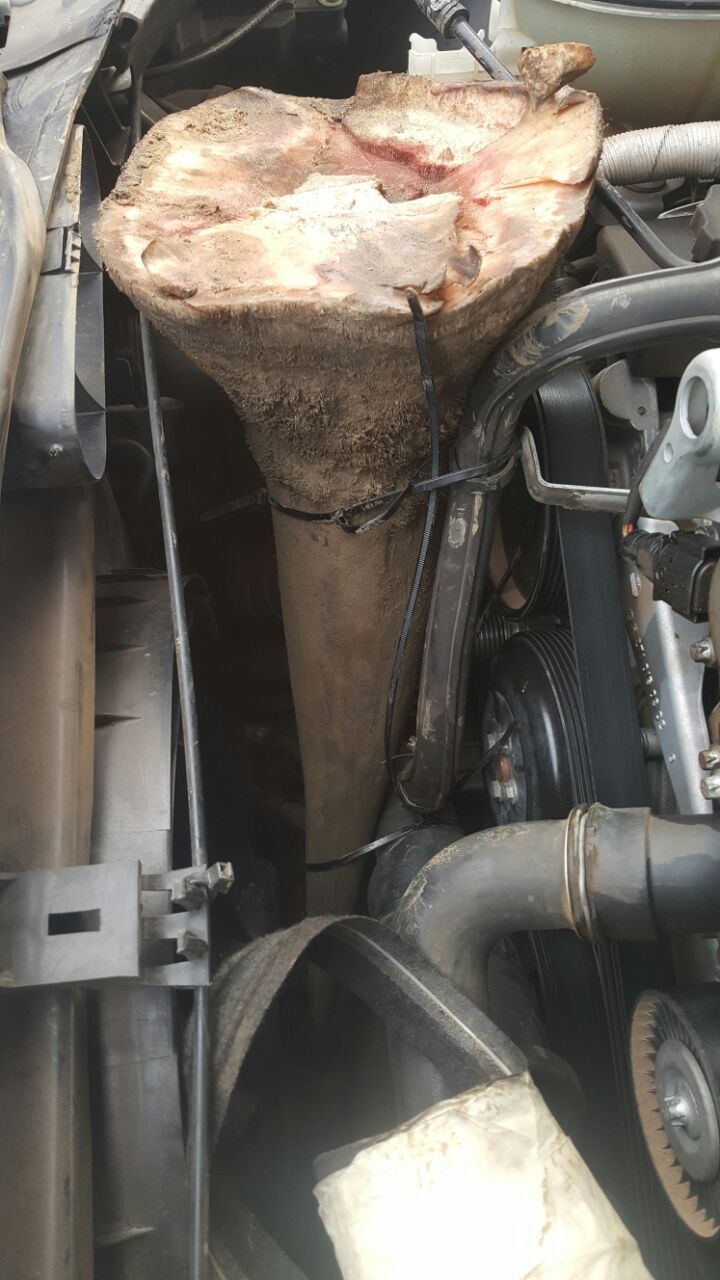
445	66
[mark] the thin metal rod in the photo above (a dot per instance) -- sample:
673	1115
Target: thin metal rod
198	1142
198	1152
581	497
470	40
186	683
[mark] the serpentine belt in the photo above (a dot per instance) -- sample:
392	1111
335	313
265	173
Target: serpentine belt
575	454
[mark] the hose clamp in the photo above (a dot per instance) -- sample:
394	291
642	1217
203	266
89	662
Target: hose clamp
576	887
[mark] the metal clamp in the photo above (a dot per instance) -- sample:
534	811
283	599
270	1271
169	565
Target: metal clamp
84	926
192	887
443	13
571	497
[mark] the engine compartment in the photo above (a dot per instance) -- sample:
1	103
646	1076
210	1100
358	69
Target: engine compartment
359	546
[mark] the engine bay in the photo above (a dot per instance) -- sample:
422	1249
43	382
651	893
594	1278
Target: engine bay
359	547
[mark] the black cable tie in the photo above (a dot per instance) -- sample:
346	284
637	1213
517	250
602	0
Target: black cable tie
258	498
363	850
488	475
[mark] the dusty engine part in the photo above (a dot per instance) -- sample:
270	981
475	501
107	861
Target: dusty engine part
534	706
603	873
397	866
618	316
272	239
676	1076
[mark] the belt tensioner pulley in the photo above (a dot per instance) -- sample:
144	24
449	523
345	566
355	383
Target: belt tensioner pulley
675	1058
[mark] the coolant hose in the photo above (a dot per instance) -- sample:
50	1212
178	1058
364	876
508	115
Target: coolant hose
599	321
607	874
668	151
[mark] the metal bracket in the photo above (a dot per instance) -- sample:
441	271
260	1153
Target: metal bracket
58	422
681	478
84	926
661	640
571	497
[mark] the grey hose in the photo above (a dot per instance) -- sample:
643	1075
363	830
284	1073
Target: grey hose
669	151
607	874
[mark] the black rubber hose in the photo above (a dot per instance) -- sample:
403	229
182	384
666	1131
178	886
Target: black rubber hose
481	889
220	46
602	320
623	212
608	874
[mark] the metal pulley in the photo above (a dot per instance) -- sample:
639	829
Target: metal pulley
675	1060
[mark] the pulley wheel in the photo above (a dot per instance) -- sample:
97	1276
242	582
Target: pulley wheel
533	707
675	1059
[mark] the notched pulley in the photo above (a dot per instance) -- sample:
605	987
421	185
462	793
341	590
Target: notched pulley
675	1058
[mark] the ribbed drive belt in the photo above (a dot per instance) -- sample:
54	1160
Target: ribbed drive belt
574	447
575	454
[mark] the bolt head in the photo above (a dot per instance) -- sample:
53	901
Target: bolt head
677	1110
635	583
703	651
710	757
221	878
710	787
190	946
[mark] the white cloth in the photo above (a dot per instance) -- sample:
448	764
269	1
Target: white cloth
485	1186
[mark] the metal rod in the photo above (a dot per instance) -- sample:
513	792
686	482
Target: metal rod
580	497
198	1126
198	1151
470	40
